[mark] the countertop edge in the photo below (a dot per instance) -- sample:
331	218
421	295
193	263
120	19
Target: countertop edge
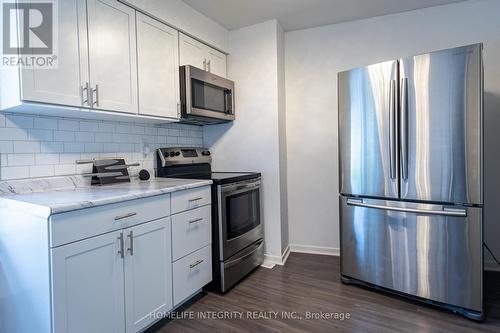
46	211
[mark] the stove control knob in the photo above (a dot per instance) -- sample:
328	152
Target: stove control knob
172	154
166	155
177	153
205	153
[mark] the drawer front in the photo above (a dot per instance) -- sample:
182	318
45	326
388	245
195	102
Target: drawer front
191	273
191	231
80	224
189	199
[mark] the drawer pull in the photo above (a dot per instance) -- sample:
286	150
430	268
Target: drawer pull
120	251
195	199
196	263
121	217
196	220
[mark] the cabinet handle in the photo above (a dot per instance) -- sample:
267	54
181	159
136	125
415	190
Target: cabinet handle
209	65
195	199
205	64
121	217
196	220
96	91
131	237
85	93
120	251
196	263
178	110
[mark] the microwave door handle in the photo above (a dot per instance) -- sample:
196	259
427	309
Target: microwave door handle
228	96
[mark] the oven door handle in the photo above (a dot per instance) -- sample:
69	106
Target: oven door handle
247	253
238	190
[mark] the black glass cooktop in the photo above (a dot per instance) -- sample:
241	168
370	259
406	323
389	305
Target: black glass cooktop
203	171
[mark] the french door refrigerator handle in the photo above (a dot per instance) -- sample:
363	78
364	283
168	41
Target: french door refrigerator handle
444	212
392	128
404	127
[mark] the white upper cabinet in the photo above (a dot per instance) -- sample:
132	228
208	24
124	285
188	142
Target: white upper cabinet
158	68
64	85
216	62
192	52
112	55
87	286
148	273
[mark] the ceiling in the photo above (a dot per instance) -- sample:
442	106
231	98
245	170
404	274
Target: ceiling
301	14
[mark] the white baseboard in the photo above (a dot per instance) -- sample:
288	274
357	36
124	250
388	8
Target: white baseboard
270	260
329	251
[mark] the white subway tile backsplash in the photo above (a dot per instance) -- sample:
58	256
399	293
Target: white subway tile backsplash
104	137
94	148
51	147
106	127
84	136
65	136
89	126
64	169
41	171
13	134
6	147
15	172
74	147
123	129
68	125
47	159
18	121
40	135
22	147
46	123
33	146
69	158
20	159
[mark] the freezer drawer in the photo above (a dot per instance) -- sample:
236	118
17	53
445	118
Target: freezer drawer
429	251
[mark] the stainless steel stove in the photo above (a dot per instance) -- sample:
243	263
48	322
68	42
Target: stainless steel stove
237	231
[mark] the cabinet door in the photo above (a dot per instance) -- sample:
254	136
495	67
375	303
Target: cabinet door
113	55
64	84
216	62
87	285
148	272
192	52
158	70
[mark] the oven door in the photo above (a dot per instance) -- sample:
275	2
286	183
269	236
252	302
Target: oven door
239	216
205	95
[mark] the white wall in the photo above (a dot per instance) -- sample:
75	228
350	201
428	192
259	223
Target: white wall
251	142
313	58
183	17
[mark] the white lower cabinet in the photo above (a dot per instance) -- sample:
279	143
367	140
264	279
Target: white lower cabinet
87	286
192	273
114	282
120	274
148	273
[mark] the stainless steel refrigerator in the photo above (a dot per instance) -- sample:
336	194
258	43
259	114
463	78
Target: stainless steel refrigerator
411	177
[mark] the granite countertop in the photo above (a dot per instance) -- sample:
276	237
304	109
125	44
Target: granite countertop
53	201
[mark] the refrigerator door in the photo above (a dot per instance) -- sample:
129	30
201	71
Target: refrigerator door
441	126
368	160
429	251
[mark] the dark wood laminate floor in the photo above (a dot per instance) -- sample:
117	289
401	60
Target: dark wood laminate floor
311	283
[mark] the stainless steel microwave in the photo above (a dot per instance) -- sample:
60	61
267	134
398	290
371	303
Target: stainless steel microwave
205	98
